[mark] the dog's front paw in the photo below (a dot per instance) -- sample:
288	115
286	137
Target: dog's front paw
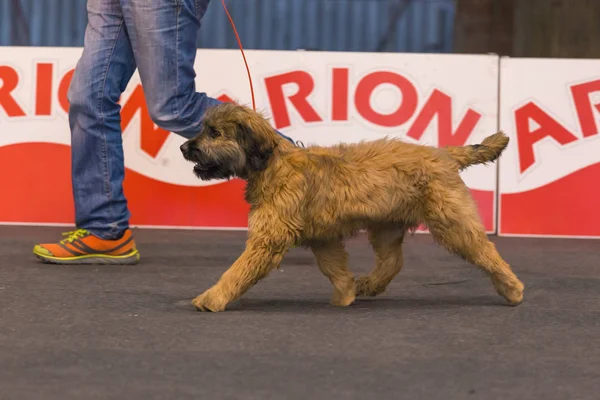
344	298
512	291
210	301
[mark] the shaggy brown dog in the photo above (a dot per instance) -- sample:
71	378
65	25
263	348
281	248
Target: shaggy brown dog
316	197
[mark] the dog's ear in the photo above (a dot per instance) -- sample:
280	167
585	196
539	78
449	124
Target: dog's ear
257	149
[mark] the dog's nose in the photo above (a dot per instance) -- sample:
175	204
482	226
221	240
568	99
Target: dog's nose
185	147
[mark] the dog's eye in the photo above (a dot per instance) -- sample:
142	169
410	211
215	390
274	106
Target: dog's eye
214	133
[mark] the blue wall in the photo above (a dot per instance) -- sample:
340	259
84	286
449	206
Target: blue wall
344	25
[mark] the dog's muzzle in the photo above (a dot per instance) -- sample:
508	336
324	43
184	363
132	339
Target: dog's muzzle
191	152
203	168
185	150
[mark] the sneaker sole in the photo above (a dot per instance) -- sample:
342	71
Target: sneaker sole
92	259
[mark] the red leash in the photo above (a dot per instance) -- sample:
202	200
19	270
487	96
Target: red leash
242	50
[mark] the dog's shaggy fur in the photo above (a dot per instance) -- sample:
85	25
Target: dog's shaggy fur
318	196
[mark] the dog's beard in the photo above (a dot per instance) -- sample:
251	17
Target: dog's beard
214	164
208	172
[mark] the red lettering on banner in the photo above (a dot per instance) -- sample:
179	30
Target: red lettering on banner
583	105
339	110
369	83
152	138
225	98
526	138
305	83
63	90
440	104
43	92
9	79
550	127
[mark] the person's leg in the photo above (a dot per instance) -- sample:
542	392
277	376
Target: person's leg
164	39
101	75
101	212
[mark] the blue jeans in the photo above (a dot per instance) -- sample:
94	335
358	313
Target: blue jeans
158	37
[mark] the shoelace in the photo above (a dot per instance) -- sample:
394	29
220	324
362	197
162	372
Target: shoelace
73	235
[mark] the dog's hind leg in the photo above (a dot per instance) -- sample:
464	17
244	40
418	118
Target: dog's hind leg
332	260
387	244
453	221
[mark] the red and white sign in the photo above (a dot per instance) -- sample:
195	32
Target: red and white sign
314	97
550	173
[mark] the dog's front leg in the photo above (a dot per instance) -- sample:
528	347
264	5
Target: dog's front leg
255	263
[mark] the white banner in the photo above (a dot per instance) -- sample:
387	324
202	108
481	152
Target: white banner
549	173
315	97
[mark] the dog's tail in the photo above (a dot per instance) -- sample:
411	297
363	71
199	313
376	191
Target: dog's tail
489	150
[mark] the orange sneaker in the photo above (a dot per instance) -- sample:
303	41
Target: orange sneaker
81	247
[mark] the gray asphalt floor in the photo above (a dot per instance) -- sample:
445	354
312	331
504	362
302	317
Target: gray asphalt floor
438	332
